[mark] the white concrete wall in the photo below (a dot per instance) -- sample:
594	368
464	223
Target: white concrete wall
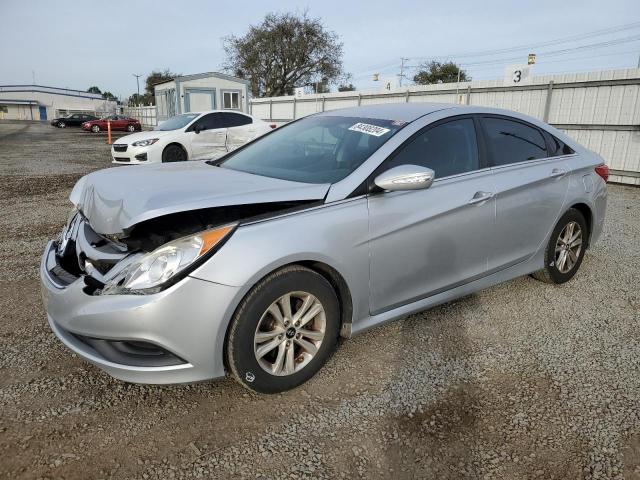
145	115
19	112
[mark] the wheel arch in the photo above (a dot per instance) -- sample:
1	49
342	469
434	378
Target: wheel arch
340	287
586	212
175	142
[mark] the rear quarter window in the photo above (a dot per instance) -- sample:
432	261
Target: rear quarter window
559	148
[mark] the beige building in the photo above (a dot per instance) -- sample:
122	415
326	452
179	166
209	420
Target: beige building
201	92
38	102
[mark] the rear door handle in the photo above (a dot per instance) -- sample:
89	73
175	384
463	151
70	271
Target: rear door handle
557	173
480	197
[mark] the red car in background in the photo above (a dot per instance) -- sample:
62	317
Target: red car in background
118	122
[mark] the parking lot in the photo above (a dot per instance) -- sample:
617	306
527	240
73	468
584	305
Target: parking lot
523	380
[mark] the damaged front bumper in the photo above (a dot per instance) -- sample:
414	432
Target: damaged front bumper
172	336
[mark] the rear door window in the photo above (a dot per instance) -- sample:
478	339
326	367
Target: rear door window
510	141
230	120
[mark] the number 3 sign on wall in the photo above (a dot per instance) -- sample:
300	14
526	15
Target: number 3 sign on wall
516	75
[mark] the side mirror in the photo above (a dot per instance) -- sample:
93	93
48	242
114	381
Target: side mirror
198	128
405	177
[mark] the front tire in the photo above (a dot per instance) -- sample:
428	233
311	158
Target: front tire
174	153
95	128
131	128
566	249
283	331
62	125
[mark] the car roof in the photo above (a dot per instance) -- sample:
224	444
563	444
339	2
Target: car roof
215	111
407	112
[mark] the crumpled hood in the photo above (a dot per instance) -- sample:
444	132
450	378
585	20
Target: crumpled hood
116	199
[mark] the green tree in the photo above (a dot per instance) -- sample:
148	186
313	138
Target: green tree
93	89
283	52
109	96
437	72
158	76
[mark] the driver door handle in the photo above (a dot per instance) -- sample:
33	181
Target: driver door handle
480	197
557	173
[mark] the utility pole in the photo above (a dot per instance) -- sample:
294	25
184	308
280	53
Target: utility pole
138	83
402	60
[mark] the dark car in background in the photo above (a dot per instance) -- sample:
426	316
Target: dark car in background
118	122
73	120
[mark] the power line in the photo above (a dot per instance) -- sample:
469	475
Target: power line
557	41
401	76
555	53
571	59
481	53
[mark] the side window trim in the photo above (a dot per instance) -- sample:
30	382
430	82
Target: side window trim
482	161
490	160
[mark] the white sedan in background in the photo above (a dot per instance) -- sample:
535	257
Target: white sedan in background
190	136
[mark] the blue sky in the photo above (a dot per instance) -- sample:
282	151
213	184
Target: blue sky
76	44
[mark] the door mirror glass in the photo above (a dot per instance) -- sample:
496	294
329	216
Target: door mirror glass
198	128
405	177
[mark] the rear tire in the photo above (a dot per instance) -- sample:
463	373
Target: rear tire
566	249
95	128
174	153
283	331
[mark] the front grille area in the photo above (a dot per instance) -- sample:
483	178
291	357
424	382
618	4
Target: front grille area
61	276
86	252
132	353
119	147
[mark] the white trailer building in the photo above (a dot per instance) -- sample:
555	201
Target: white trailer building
200	92
38	102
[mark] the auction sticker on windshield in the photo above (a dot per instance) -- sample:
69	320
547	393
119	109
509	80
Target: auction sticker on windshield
369	129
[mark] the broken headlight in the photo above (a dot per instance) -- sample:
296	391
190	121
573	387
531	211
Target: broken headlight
151	271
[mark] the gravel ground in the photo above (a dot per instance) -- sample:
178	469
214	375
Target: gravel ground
523	380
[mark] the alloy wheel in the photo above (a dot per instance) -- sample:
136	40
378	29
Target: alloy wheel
568	247
289	333
131	128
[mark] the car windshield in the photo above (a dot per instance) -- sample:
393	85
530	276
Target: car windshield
174	123
317	149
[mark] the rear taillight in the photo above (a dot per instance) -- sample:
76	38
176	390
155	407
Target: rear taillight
603	171
273	125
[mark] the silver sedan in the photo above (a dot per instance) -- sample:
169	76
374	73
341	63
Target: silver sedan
256	263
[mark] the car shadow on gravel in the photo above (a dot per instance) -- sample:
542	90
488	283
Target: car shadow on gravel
429	434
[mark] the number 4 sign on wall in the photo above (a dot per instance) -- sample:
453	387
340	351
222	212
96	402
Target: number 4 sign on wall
517	75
